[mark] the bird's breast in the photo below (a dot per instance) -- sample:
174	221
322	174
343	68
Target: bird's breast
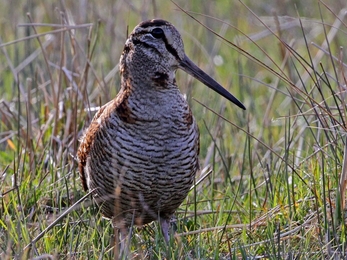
160	131
142	154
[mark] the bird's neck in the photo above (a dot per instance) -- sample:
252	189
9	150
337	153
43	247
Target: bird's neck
150	100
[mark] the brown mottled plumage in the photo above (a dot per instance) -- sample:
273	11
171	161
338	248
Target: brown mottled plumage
140	153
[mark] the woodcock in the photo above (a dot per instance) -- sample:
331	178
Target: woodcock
140	153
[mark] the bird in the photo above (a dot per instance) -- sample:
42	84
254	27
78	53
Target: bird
139	155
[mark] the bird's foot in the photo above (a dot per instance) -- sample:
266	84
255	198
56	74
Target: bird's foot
165	226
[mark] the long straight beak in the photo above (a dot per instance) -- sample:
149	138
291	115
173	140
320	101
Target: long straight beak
188	66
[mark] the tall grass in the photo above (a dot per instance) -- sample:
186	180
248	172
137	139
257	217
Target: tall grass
274	177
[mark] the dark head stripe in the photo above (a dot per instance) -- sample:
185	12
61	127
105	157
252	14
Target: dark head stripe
171	49
153	22
157	23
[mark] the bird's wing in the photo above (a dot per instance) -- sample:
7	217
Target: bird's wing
86	143
117	107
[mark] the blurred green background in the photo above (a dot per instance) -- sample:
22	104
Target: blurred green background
274	190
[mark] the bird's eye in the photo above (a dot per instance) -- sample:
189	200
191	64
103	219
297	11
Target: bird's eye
157	33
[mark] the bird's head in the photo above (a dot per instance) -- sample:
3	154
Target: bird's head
154	51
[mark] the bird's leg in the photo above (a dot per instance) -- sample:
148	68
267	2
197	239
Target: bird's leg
121	242
124	239
165	225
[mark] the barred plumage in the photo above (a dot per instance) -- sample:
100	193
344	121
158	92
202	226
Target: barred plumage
140	153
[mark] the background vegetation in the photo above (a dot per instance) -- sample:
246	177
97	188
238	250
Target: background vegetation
273	177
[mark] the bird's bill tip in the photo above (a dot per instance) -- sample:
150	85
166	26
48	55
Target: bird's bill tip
188	66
